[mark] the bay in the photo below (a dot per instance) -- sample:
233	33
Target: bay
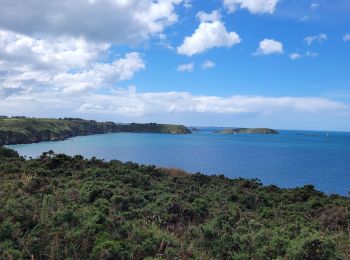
290	159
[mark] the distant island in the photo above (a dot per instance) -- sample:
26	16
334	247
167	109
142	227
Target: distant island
22	130
194	129
247	131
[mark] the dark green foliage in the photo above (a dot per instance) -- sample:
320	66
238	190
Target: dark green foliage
314	247
61	207
7	153
21	130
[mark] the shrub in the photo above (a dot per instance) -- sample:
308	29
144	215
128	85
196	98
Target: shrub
8	153
314	247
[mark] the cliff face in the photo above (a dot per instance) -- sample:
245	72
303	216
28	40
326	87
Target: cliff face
32	130
248	131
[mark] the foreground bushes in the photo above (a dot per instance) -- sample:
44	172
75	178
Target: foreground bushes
61	207
7	153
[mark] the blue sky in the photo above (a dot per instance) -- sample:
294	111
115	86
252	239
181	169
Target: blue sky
257	63
238	71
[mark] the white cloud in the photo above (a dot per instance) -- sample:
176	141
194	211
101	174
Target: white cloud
311	54
186	67
269	46
187	4
319	38
208	64
163	41
346	37
295	56
130	103
62	64
173	102
60	53
314	6
115	21
209	17
304	18
100	74
211	33
253	6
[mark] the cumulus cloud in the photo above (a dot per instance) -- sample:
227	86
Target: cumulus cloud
114	21
211	33
295	56
208	64
42	53
269	46
100	74
346	37
319	38
253	6
64	64
186	67
209	17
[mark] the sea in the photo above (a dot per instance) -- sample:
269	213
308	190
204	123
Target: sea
290	159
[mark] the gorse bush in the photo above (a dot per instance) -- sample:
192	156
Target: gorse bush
62	207
7	153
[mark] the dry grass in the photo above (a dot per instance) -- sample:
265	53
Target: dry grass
175	172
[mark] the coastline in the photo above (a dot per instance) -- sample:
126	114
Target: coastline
248	156
34	130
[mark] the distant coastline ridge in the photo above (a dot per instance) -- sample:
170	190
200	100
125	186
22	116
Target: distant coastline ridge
22	130
247	131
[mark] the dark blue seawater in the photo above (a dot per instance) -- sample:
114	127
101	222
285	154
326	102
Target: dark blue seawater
290	159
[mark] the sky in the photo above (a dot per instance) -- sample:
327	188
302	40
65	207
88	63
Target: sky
283	64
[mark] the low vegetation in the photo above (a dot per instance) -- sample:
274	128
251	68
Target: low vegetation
248	131
61	207
7	153
21	130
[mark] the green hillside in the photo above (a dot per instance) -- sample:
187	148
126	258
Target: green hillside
61	207
30	130
248	131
